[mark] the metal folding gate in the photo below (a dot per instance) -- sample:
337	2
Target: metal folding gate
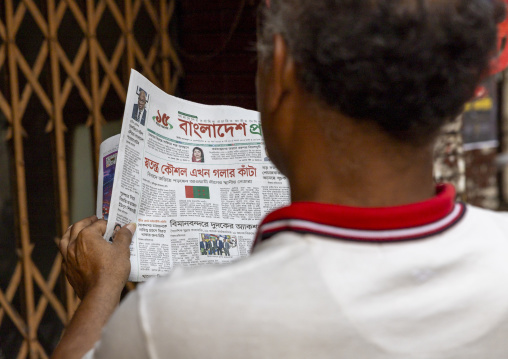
95	70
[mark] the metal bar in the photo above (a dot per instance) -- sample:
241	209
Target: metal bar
49	296
23	351
115	60
164	33
32	80
21	181
13	315
152	13
37	16
115	11
78	15
59	138
92	20
146	62
109	69
12	287
72	70
129	37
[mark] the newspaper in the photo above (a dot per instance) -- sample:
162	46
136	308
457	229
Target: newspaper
196	179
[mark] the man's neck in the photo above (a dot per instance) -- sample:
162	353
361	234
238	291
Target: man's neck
367	189
361	166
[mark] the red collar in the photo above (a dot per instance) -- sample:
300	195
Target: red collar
386	224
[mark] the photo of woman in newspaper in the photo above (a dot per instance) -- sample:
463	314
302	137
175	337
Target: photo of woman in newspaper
198	155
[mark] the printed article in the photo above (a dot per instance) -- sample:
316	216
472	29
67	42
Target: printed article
196	179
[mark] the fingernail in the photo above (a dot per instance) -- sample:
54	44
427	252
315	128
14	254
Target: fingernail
131	227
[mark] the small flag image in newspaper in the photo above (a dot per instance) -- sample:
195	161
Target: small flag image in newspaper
197	192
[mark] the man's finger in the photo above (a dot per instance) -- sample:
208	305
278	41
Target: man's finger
124	236
63	243
98	227
78	226
65	235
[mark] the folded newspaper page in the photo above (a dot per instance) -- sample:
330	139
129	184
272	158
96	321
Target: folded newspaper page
196	179
107	165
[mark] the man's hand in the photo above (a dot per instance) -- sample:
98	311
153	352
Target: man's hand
98	270
91	262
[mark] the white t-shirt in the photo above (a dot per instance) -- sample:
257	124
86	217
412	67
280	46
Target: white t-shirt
428	280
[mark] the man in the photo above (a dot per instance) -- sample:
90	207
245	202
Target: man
139	110
203	246
213	246
371	259
220	246
227	245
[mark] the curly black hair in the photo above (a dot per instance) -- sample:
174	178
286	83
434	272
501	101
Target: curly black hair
408	65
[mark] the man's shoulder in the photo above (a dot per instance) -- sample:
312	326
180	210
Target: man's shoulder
262	272
487	218
243	300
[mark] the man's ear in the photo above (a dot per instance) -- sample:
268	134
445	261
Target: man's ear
283	73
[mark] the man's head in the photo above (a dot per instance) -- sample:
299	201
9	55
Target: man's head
141	99
407	66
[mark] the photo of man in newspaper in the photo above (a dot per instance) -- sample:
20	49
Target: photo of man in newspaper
139	109
218	245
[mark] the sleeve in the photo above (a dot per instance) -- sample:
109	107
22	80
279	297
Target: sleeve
123	336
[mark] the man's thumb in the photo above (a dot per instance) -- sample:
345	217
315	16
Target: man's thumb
124	235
